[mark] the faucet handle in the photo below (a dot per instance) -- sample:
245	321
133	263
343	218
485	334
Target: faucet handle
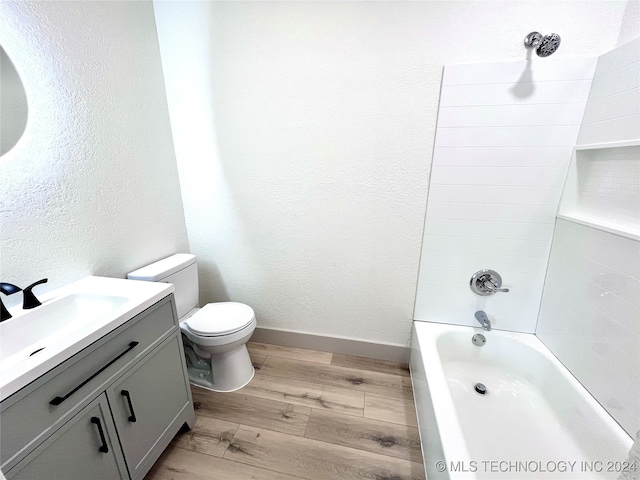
493	288
486	282
7	289
30	300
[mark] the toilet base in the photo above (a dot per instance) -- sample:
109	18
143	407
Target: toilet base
207	385
220	372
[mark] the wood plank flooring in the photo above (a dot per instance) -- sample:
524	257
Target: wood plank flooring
305	415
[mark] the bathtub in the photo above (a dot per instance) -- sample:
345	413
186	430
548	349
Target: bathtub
536	421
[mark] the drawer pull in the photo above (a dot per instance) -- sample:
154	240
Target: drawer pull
59	400
125	393
103	448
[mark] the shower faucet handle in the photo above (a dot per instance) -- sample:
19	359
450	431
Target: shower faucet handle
486	282
494	288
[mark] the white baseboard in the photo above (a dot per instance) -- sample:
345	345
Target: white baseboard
380	351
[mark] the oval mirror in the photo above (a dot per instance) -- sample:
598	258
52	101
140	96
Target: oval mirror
13	104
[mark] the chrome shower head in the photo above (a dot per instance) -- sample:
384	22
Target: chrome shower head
544	46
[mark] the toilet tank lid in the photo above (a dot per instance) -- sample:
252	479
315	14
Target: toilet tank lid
163	268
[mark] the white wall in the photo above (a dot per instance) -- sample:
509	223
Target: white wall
630	26
503	143
590	315
304	133
91	187
590	312
603	183
613	111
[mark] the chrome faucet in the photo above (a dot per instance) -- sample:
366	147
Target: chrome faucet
483	320
486	282
7	289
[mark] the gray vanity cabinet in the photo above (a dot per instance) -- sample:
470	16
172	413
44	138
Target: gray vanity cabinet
85	447
139	417
107	412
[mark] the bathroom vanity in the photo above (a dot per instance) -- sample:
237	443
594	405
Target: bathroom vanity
109	409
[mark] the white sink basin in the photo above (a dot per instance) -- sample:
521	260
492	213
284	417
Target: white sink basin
24	335
69	319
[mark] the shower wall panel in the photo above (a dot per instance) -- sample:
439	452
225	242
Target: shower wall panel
504	139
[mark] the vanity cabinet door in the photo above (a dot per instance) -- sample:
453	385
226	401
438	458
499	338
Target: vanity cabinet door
145	401
84	447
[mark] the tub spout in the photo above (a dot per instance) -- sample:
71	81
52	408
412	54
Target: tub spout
483	320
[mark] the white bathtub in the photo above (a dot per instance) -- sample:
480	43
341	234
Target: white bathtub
536	421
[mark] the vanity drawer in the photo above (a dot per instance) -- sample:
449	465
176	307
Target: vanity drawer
31	415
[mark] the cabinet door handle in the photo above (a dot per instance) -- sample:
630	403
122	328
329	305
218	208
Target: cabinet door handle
59	400
127	395
103	448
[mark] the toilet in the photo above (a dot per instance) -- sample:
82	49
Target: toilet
215	336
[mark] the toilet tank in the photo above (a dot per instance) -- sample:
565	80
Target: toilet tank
180	269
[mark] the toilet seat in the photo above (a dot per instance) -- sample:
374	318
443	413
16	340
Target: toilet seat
219	319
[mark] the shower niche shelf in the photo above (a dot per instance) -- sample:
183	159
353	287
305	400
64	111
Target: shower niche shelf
597	146
602	189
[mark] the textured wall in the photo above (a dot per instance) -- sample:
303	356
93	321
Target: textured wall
91	187
304	133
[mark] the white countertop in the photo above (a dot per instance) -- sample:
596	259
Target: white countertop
18	370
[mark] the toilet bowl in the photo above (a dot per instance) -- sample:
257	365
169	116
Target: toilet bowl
215	336
219	332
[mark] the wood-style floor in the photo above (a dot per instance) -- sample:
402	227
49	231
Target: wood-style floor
305	415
